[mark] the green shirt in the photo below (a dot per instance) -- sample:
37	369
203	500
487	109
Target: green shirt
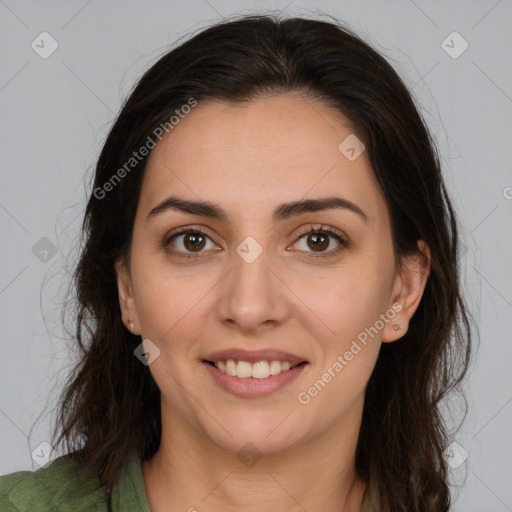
59	487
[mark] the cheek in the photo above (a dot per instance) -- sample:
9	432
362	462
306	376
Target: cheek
164	300
346	359
351	308
168	312
347	304
172	305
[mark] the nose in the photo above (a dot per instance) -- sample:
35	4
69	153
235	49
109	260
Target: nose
253	297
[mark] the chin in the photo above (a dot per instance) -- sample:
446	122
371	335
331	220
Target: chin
264	437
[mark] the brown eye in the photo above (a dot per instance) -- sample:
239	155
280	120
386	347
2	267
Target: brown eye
193	241
322	241
188	241
318	241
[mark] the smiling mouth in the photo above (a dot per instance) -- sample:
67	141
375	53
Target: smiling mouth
259	370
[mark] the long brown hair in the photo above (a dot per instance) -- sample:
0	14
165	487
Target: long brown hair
111	404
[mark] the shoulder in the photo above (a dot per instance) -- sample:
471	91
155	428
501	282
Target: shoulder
57	487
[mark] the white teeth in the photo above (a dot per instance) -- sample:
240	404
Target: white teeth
275	367
230	367
244	369
259	370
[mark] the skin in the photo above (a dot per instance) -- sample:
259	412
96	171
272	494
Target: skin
249	159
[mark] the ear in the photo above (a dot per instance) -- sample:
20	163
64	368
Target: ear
407	292
126	298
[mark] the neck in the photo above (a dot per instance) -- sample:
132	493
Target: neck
190	473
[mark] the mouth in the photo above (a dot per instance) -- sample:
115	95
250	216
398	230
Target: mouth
253	380
258	370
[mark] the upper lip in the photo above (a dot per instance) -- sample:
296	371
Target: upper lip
253	356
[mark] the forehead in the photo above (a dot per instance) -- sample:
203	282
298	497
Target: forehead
270	150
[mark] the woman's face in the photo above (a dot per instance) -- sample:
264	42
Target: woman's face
254	281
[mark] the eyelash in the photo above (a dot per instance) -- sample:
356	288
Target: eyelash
324	230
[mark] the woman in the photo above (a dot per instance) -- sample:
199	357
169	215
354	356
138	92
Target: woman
269	301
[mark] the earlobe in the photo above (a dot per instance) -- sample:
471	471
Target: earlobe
408	291
126	297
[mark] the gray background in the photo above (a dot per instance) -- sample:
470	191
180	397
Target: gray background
55	113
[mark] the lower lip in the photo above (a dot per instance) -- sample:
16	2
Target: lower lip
250	387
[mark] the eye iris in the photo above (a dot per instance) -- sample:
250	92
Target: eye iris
197	241
320	241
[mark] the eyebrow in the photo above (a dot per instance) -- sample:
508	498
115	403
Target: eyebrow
282	212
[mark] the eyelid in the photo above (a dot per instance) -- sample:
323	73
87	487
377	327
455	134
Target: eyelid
322	228
184	230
